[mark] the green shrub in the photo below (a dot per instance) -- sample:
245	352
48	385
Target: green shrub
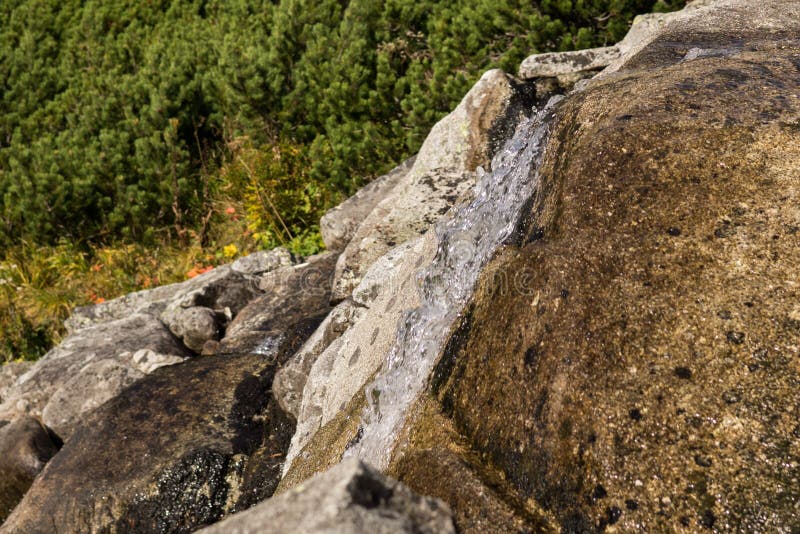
109	110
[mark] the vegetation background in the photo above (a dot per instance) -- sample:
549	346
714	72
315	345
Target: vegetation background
143	141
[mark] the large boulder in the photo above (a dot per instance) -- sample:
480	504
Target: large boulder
445	169
176	451
9	373
646	376
339	224
629	358
89	367
351	497
25	447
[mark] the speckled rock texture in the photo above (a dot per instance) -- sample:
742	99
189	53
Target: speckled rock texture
25	447
351	359
9	373
646	375
554	64
351	497
629	361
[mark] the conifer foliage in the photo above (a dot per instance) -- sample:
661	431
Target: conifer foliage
112	113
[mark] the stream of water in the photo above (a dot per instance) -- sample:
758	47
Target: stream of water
467	240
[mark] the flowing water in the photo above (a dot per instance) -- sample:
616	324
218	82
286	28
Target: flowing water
467	240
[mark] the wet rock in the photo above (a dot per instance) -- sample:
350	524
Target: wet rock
339	224
351	497
290	380
641	329
25	447
648	27
131	344
171	454
444	170
289	295
381	280
341	370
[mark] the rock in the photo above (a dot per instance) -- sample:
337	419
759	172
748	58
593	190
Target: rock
290	380
25	447
172	454
289	295
194	325
119	342
558	72
219	288
347	364
444	170
263	261
9	373
698	19
147	361
554	64
339	224
597	389
586	386
93	385
351	497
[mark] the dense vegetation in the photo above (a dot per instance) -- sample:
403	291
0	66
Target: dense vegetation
174	134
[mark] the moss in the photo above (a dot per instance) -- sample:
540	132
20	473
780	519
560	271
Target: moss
327	446
432	459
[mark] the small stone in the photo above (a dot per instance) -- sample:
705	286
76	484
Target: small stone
683	372
209	347
730	396
613	514
599	492
631	505
737	338
635	414
674	232
702	461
